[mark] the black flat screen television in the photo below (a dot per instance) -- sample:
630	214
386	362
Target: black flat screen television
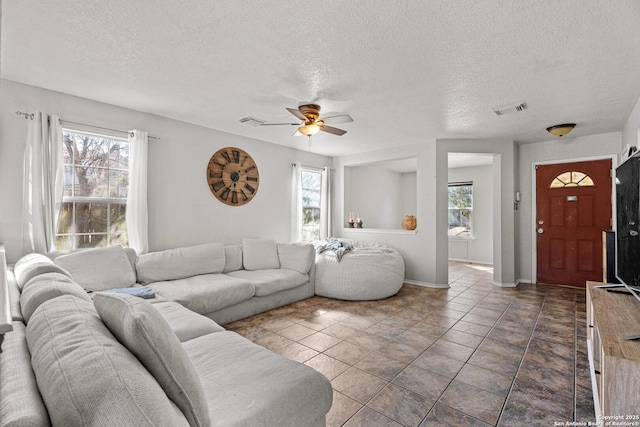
628	224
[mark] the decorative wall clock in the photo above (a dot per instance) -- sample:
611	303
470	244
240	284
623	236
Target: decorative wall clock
233	176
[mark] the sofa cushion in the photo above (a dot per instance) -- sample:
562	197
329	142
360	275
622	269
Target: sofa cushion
259	254
20	401
99	269
32	265
142	329
179	263
232	258
35	293
185	323
86	377
271	281
248	385
296	256
206	293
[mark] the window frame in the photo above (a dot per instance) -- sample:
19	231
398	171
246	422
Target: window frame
112	237
316	227
470	235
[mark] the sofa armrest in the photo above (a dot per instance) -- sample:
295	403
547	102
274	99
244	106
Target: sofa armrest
6	321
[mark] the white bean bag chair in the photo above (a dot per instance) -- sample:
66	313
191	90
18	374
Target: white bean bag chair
369	271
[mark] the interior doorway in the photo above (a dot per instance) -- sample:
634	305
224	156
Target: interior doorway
573	207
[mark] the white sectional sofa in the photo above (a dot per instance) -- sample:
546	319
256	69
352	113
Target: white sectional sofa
82	354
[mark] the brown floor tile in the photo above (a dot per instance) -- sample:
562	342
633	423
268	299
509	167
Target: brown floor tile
347	352
342	409
438	364
381	365
441	415
485	379
401	405
473	401
319	341
472	328
296	332
297	352
496	363
272	341
421	381
358	384
462	338
328	366
367	417
451	349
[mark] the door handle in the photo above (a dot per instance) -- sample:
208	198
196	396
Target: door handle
633	233
540	230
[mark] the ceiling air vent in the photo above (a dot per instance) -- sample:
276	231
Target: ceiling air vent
511	108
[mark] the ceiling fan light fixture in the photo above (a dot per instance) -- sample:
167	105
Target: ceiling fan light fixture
561	130
309	129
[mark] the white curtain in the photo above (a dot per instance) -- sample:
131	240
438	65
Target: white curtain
43	183
325	204
137	213
296	211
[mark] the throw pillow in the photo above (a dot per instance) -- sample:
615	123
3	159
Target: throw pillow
260	254
296	256
99	269
32	265
143	330
180	263
86	377
36	293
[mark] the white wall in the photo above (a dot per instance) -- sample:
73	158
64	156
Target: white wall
556	151
409	191
480	247
182	210
376	196
631	128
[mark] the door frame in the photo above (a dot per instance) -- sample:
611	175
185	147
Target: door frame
534	201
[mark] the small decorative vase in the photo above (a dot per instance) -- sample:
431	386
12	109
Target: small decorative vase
409	222
351	223
359	222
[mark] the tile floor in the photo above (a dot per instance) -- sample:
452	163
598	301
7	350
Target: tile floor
471	355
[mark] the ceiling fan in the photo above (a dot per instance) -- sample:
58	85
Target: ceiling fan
311	124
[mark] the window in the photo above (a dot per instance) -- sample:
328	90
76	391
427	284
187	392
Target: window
311	199
460	209
571	179
96	173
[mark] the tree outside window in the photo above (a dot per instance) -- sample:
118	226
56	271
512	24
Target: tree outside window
460	209
96	171
311	197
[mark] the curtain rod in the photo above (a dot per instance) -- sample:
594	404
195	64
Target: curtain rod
29	116
311	167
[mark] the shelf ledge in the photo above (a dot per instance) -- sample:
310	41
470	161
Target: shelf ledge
381	231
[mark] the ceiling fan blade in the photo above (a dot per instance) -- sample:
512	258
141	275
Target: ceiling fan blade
279	124
333	130
297	113
334	118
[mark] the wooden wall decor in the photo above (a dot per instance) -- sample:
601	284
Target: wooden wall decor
232	176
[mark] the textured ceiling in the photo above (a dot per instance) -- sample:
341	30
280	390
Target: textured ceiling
405	71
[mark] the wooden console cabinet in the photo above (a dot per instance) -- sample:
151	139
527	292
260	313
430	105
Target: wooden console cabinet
614	363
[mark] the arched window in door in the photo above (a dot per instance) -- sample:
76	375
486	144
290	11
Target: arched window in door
572	179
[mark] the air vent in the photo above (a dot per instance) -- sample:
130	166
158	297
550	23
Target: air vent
252	121
511	108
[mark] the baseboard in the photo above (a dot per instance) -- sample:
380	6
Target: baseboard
524	281
470	261
505	285
425	284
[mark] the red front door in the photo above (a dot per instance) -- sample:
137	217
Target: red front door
573	208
